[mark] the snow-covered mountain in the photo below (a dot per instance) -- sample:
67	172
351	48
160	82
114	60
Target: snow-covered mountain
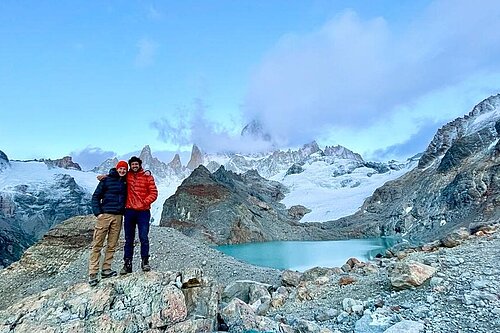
456	183
35	196
330	183
334	187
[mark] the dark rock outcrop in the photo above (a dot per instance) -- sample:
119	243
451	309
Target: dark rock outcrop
227	208
294	169
4	161
66	163
13	240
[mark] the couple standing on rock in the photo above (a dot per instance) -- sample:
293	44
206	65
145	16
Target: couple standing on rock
127	196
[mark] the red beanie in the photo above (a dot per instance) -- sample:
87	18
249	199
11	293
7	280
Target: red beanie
122	164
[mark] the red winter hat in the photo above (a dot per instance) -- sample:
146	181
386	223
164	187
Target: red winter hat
122	164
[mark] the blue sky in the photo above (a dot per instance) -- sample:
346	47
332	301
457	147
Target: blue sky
99	78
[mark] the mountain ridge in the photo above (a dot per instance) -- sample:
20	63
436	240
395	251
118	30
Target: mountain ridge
456	183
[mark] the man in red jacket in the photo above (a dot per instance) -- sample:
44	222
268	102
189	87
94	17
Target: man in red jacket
141	193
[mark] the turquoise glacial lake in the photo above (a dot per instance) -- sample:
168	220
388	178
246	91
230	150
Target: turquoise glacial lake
302	255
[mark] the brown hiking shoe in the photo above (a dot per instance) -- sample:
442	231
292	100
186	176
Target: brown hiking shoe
107	273
93	280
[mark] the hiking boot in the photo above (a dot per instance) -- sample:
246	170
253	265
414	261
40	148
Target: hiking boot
107	273
127	267
145	264
93	280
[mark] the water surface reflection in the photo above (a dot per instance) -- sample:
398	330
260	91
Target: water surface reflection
302	255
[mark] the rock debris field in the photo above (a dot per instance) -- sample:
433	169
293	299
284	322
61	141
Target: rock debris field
458	290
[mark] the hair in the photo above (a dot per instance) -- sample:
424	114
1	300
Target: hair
135	159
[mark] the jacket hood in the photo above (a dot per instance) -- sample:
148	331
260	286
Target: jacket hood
113	173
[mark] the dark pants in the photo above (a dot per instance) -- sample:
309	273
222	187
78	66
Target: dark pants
139	218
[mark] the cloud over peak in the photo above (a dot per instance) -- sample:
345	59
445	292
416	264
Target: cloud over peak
354	72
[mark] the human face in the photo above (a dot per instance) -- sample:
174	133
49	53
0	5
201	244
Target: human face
135	166
122	171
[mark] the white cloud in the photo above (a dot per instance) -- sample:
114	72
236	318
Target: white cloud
147	52
90	157
188	125
154	13
355	74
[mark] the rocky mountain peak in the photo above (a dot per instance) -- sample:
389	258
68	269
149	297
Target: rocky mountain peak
66	163
4	161
343	153
106	166
455	185
229	208
200	175
146	155
157	167
196	158
176	164
310	148
482	117
255	130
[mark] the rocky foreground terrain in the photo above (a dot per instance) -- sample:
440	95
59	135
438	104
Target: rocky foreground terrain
451	285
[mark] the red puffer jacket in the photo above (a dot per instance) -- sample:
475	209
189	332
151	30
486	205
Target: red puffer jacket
141	190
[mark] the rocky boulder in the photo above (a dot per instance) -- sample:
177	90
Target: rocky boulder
133	303
455	238
60	247
410	274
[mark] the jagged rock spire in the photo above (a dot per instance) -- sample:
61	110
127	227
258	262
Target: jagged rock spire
196	158
146	155
157	167
176	164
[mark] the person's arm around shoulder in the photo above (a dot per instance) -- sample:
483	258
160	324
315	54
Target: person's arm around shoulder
101	177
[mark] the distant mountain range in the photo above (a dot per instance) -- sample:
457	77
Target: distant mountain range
453	183
35	195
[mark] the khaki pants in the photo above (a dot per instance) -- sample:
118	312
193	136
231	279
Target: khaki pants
108	225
